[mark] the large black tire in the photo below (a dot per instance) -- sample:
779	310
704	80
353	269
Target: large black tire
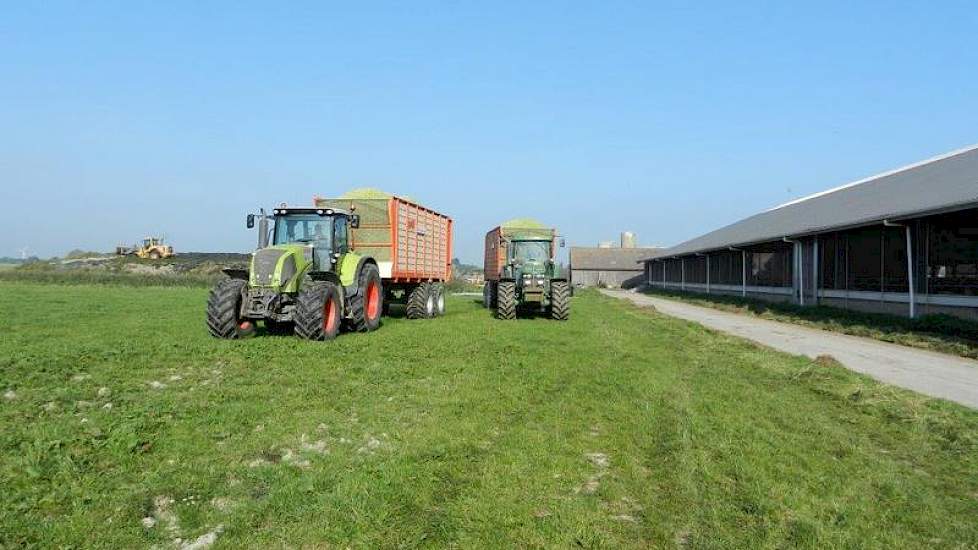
559	300
367	305
506	300
438	293
224	310
318	311
417	302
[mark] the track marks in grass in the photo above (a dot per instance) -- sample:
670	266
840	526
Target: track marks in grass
164	517
599	461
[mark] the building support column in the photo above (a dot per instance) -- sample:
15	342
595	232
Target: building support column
743	273
707	272
798	273
910	289
682	281
815	270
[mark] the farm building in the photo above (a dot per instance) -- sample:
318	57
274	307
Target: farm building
606	266
902	242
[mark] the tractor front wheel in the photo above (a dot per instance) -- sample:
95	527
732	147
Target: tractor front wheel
367	305
224	311
318	311
559	300
506	300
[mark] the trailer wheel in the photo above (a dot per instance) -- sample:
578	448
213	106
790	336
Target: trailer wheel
506	300
318	311
559	300
224	311
418	301
489	295
366	306
438	290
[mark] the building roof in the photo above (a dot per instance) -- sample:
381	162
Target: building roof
942	183
610	259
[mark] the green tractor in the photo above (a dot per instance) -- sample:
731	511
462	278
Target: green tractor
308	281
521	271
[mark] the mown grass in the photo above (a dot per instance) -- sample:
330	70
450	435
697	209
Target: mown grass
619	428
943	333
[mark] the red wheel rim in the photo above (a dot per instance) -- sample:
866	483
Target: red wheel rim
330	317
373	300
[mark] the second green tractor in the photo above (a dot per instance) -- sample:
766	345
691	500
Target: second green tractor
521	271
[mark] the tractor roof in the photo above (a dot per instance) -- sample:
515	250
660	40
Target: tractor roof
280	210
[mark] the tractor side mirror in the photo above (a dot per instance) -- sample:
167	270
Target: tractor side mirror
562	243
355	221
250	221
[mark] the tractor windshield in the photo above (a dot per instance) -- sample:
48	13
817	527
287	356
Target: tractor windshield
305	228
531	251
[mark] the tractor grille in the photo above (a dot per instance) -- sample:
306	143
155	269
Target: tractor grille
264	265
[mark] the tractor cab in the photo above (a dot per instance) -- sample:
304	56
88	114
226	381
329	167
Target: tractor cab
530	257
321	233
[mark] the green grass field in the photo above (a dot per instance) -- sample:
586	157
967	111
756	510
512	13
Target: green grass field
126	425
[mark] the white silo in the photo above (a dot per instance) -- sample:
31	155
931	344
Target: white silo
627	239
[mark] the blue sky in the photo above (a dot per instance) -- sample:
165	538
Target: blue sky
667	119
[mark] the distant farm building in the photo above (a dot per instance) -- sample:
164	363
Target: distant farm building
902	242
609	266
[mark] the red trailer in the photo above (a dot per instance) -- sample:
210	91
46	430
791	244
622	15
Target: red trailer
412	245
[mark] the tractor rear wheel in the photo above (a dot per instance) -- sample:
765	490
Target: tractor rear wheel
438	290
318	311
224	310
366	305
506	300
559	300
418	301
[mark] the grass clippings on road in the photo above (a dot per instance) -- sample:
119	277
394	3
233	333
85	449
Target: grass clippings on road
941	333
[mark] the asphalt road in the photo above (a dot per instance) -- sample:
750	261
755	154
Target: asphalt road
934	374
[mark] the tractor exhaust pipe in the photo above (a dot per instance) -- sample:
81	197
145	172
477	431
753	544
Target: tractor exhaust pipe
263	230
